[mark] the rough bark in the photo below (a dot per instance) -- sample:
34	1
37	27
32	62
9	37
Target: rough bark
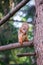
38	36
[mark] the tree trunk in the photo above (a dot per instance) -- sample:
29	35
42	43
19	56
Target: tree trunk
38	35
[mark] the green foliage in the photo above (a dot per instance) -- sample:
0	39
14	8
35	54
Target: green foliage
9	34
18	1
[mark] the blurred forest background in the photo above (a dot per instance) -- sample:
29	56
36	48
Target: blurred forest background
9	32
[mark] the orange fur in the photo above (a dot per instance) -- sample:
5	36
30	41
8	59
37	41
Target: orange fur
22	33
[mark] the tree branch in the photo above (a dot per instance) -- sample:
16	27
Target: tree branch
22	21
12	12
16	45
26	54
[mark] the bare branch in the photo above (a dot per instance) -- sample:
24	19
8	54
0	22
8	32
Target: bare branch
12	12
22	21
16	45
26	54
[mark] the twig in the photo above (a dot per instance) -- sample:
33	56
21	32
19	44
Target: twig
26	54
